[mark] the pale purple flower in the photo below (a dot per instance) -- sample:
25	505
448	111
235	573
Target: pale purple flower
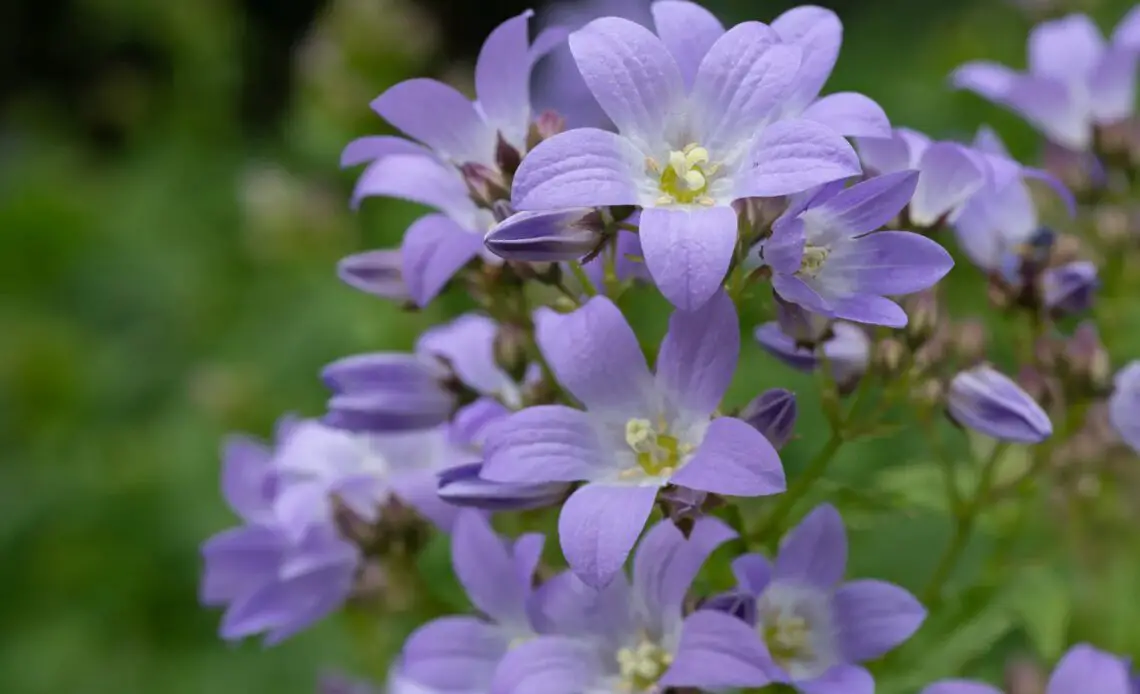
682	153
1124	405
949	173
1075	81
827	254
1070	288
990	403
375	272
464	485
773	414
460	653
546	236
811	629
622	638
1082	670
848	350
640	432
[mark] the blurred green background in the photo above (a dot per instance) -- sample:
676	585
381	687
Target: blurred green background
171	212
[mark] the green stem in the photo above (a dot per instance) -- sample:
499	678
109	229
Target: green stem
814	470
583	279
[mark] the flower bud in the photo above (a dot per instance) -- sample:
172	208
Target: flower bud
988	402
929	393
685	506
545	126
969	340
889	355
510	349
507	157
1070	288
1024	676
375	272
485	185
848	350
804	327
773	414
547	236
1124	405
387	392
1086	360
462	486
923	311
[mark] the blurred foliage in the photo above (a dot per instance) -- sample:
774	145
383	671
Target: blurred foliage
171	213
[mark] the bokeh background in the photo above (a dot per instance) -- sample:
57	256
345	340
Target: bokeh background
171	211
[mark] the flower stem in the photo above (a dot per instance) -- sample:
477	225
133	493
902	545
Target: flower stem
814	470
583	279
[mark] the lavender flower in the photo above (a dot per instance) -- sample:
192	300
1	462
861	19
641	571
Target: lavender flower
848	350
1075	80
464	485
461	653
623	638
825	258
683	153
273	578
988	402
773	414
375	272
811	630
546	236
1070	288
1124	406
1082	669
641	432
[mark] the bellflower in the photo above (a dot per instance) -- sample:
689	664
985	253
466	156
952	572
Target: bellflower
811	629
640	432
773	414
1076	80
990	403
949	173
273	578
683	153
848	350
623	638
827	255
546	236
1082	669
464	485
460	653
1070	288
1124	406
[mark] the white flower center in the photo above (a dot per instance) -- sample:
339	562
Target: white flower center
813	260
795	623
659	452
686	177
642	666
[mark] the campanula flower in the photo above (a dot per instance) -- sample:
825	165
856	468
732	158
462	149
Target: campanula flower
546	236
1082	669
1070	288
848	350
1124	405
464	485
990	403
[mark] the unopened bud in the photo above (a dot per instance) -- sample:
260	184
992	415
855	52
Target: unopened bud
930	393
889	355
545	126
485	185
463	486
507	157
1070	288
990	403
547	236
510	349
1087	361
923	311
969	340
773	414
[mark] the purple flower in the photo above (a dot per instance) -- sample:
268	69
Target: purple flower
848	350
988	402
811	629
375	272
683	153
624	637
773	414
640	432
460	653
1124	405
825	257
272	578
463	485
546	236
1075	80
949	173
1070	288
1082	669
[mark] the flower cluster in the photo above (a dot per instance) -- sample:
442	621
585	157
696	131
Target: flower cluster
700	163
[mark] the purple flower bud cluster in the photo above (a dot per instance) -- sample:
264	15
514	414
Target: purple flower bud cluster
701	164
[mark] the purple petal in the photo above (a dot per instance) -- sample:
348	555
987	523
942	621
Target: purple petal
791	156
986	401
698	357
948	177
850	114
784	348
469	424
1067	49
666	564
578	168
420	490
818	33
549	39
375	272
373	147
598	527
464	486
815	551
548	665
783	251
891	263
440	117
238	561
753	573
453	653
1125	403
594	353
688	251
869	309
735	460
247	476
870	204
1044	102
486	569
742	79
565	605
793	289
718	651
527	554
688	31
631	74
435	248
841	679
1112	85
960	687
548	443
873	617
466	344
1087	669
502	78
1127	32
423	180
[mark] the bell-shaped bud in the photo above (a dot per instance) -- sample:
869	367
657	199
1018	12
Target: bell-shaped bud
545	126
807	329
507	158
738	603
547	236
1087	362
990	403
387	392
685	506
773	414
375	272
1070	288
923	310
968	339
462	486
1124	405
484	184
848	350
511	350
888	356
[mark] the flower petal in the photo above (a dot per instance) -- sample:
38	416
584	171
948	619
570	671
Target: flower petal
595	354
1044	102
818	33
467	346
598	527
424	180
841	679
1087	669
949	176
688	31
791	156
375	272
815	551
440	117
850	114
247	474
453	653
783	251
698	357
718	651
688	251
548	443
891	263
435	248
870	204
1125	403
486	569
872	617
631	74
565	605
1112	85
735	460
1127	32
419	489
960	687
548	665
792	289
502	78
545	237
578	168
1067	49
753	573
373	147
869	309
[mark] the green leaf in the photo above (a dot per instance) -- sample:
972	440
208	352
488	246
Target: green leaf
1041	601
434	567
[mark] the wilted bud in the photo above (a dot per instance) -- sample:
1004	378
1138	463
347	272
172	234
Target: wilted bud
545	126
547	236
923	312
969	340
990	403
1087	360
773	414
507	157
1124	405
738	603
807	329
1025	676
375	272
889	355
485	185
387	392
1070	288
511	350
848	350
462	486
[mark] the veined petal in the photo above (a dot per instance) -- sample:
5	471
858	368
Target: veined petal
453	653
435	248
1067	49
783	251
598	527
960	687
631	74
688	251
869	309
818	33
753	573
376	272
850	114
548	665
949	176
548	443
992	81
1087	669
815	551
1112	85
891	263
718	651
487	570
796	291
373	147
848	679
440	117
688	31
579	168
870	204
698	357
424	180
873	617
735	460
502	78
791	156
